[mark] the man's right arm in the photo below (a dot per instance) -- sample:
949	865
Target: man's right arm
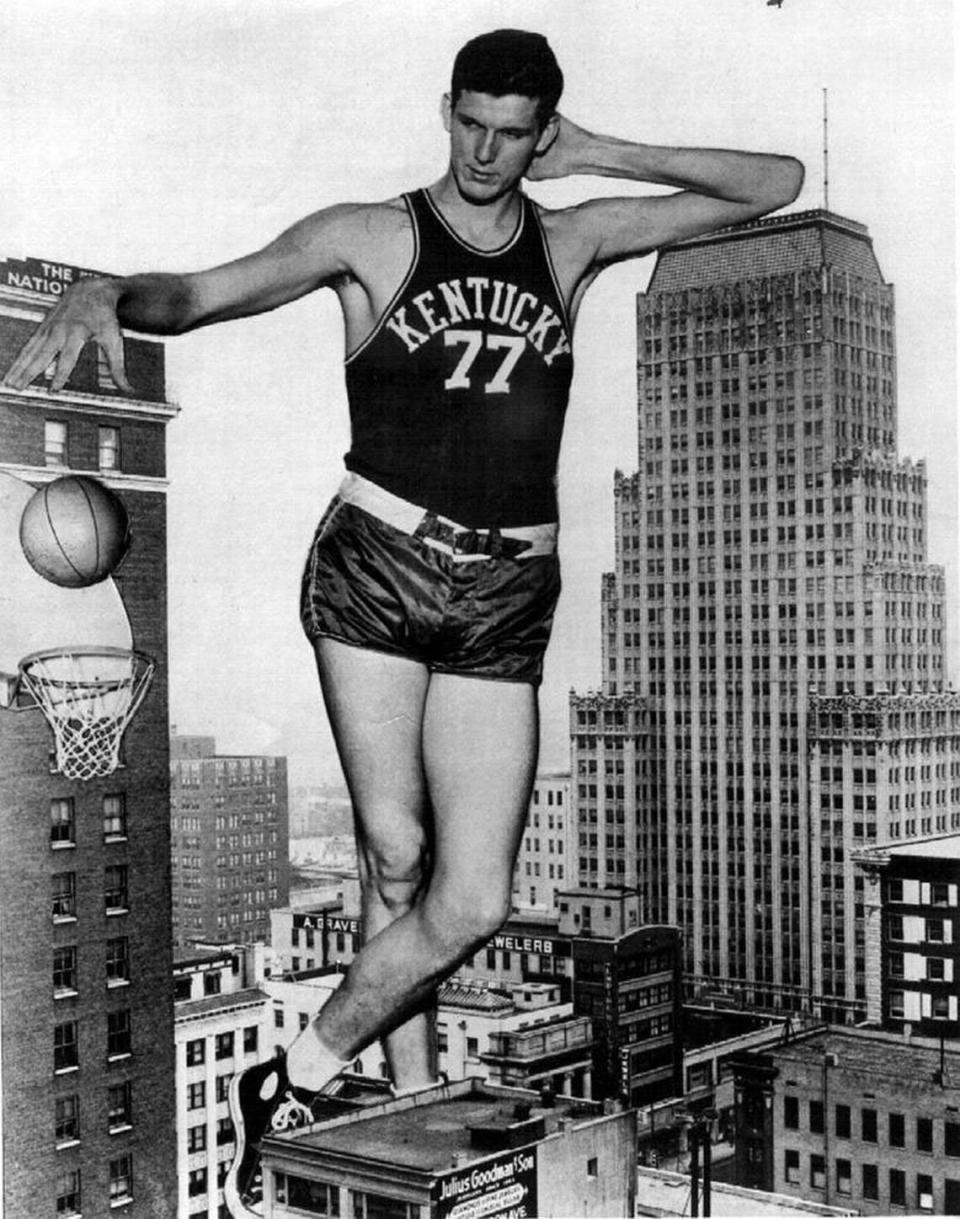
306	256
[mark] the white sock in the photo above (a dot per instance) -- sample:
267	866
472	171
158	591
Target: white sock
310	1064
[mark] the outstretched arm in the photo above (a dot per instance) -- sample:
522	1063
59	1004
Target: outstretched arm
311	253
717	187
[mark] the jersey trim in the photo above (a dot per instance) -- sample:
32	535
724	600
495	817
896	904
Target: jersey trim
501	249
552	269
414	261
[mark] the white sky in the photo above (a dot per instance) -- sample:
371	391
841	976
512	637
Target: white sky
163	135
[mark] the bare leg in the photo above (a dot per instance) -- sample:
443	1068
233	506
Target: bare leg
375	704
479	746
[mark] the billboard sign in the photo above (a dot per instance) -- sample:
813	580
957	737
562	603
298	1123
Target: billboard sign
501	1188
37	275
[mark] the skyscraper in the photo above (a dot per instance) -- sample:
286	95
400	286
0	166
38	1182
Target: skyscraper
230	842
773	636
86	993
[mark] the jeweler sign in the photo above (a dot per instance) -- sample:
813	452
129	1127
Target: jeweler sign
50	278
501	1188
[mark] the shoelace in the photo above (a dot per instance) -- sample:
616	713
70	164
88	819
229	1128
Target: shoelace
290	1114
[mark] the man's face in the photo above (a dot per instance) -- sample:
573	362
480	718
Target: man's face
492	141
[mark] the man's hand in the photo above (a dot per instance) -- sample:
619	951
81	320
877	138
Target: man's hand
87	310
566	154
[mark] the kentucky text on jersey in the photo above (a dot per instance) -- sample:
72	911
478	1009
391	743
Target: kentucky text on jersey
480	299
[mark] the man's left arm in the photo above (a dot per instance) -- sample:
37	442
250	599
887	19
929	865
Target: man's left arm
716	187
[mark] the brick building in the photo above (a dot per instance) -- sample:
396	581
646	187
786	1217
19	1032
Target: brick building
913	935
86	1081
853	1117
230	849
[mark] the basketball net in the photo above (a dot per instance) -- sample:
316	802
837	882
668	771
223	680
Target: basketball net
88	696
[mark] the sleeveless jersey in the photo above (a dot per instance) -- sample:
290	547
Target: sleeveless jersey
457	398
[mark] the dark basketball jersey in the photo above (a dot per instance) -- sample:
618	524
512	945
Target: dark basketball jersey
457	398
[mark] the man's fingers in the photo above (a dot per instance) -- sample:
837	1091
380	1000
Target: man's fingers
66	361
112	347
29	362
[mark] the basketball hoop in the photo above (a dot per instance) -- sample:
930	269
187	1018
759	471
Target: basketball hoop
88	696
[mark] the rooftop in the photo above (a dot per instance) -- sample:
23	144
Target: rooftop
872	1052
774	245
427	1132
190	1009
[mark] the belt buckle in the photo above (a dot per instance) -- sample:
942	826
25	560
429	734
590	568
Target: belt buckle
466	541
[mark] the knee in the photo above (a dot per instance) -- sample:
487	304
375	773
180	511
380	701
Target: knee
463	919
393	873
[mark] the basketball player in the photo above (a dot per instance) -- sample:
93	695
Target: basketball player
430	586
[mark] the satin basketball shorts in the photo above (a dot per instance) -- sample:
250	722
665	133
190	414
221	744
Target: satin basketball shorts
406	592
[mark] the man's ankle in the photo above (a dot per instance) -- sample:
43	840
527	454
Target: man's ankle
311	1065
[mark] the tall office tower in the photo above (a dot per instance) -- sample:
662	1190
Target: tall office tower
773	636
231	843
545	860
86	994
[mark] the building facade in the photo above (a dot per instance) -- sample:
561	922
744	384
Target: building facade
853	1117
913	935
86	1003
230	843
771	603
491	1151
546	858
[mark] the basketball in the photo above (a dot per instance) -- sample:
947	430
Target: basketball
74	531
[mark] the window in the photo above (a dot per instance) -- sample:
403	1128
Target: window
66	1119
250	1040
121	1179
62	830
843	1176
473	1047
108	447
211	983
871	1182
68	1193
223	1046
65	971
816	1117
196	1052
592	1166
115	887
64	895
868	1125
898	1187
924	1192
114	818
197	1182
375	1206
118	1033
924	1134
315	1197
118	961
225	1132
119	1106
791	1166
196	1095
197	1139
443	1041
951	1139
65	1054
223	1087
842	1121
55	438
791	1112
897	1130
951	1196
278	1017
817	1172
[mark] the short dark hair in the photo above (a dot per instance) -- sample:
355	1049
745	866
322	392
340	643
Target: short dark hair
509	61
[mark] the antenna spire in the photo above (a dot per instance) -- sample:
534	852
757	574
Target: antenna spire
826	157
